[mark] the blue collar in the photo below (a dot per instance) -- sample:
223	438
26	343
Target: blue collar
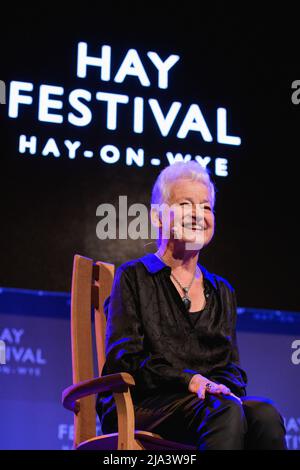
153	264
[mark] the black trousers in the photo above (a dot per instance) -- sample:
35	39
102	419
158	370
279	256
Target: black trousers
218	422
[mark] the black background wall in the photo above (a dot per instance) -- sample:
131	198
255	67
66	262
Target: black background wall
244	61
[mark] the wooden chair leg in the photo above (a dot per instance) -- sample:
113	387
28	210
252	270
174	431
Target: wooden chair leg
126	422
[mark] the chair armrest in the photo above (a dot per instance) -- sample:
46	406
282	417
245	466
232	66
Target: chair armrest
114	383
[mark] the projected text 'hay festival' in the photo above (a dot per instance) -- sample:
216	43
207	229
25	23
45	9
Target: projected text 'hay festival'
104	112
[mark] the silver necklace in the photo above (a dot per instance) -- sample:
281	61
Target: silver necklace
185	299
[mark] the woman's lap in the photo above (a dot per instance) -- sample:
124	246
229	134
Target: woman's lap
178	416
162	413
217	422
183	417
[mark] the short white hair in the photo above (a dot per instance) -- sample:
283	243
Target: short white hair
192	170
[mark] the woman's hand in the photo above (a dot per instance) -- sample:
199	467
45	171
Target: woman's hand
201	385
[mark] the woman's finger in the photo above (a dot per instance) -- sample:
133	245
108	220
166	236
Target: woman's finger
236	397
212	387
217	389
224	389
201	392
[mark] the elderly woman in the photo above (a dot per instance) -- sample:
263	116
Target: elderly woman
171	324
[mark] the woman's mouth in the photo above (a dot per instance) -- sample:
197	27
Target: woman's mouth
194	227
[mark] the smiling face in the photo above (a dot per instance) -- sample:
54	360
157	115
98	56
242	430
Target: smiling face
191	217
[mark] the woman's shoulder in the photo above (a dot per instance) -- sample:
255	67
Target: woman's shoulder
146	264
218	281
137	264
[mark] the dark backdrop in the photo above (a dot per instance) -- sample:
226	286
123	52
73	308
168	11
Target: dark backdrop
244	61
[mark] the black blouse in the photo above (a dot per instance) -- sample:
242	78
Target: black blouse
151	336
194	316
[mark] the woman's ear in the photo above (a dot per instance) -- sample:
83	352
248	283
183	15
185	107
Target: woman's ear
155	219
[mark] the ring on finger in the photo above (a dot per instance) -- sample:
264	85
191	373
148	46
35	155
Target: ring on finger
209	386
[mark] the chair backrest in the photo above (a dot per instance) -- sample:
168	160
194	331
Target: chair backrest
91	285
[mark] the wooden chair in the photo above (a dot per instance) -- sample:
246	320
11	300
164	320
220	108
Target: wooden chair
91	285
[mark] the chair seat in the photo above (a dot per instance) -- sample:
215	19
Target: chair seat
148	441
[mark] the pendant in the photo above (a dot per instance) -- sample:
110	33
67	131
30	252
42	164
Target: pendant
187	302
